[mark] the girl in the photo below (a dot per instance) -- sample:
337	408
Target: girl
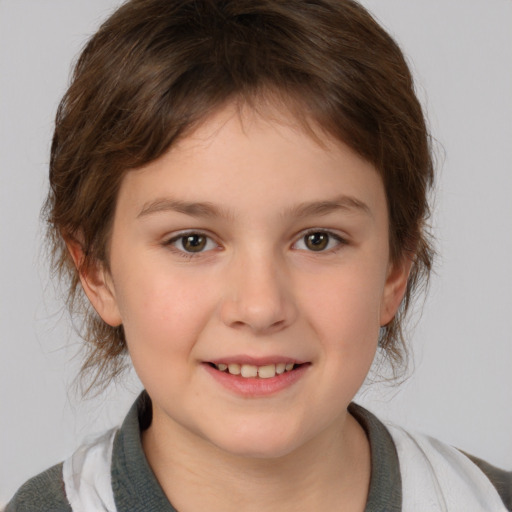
240	189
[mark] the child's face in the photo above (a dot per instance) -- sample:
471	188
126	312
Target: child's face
250	244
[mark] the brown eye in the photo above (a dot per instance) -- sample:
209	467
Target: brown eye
319	241
193	242
316	241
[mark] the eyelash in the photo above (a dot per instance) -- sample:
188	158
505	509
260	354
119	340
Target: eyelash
171	243
340	241
302	238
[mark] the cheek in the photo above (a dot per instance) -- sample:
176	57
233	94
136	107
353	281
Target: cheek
162	326
163	313
344	309
342	312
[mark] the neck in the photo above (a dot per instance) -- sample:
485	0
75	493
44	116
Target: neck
331	472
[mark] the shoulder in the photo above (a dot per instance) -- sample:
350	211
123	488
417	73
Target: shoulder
501	479
422	467
427	464
42	493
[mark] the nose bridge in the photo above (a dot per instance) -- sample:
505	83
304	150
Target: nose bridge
258	295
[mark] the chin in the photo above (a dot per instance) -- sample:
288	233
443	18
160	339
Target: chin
261	450
258	443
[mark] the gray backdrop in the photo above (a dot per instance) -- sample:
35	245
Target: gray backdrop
461	388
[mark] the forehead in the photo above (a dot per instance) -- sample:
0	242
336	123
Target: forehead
247	160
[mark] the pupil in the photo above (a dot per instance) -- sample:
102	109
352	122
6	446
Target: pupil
194	243
317	241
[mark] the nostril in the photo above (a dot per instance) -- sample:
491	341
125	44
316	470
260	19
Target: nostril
254	309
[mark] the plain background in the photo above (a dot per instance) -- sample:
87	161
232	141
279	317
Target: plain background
461	388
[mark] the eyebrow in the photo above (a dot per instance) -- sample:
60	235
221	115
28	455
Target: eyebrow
194	209
302	210
319	208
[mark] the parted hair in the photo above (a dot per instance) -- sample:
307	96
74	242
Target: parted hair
156	69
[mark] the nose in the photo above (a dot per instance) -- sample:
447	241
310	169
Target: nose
258	295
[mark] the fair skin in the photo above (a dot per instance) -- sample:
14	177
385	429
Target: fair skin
248	243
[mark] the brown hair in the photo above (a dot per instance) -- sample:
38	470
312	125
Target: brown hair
157	68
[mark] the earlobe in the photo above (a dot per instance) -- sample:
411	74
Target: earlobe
394	289
97	285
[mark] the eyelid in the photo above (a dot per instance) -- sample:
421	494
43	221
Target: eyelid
170	241
341	240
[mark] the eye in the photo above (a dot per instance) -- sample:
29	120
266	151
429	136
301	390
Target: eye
318	241
192	243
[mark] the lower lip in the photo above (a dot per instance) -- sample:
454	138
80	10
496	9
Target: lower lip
257	387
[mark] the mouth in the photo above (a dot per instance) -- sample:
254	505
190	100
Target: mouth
250	371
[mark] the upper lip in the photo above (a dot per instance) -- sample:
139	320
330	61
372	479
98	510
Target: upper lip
255	361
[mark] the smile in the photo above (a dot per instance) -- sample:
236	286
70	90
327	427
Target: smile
259	377
251	371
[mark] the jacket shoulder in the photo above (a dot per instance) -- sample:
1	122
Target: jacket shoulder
501	479
42	493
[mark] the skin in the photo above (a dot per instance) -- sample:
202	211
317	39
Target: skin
257	290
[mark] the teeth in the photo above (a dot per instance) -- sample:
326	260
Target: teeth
234	369
266	372
251	371
248	370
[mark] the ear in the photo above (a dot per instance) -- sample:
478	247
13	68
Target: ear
394	289
97	284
